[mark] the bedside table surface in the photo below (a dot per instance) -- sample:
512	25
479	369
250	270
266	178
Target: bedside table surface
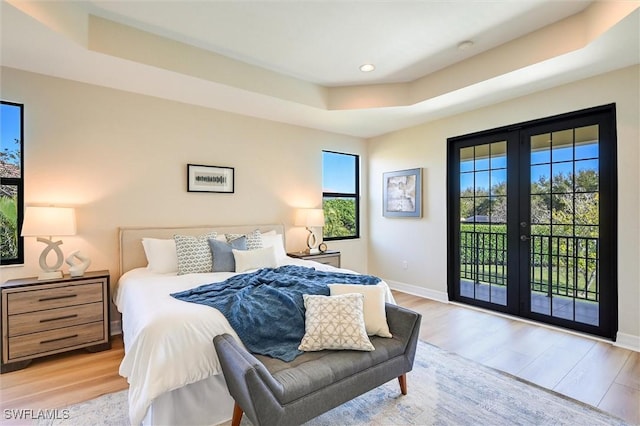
18	282
303	254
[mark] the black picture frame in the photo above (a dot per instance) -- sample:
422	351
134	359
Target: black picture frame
201	178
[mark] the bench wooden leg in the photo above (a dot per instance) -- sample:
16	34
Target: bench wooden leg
237	415
403	384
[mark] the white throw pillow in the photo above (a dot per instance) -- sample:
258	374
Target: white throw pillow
161	255
254	259
375	316
334	322
274	240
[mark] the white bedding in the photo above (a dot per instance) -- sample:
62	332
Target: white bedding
168	342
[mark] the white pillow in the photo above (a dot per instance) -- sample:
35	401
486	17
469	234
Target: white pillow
274	240
161	255
334	322
375	316
254	259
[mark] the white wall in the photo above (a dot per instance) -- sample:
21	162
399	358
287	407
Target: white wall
423	242
120	159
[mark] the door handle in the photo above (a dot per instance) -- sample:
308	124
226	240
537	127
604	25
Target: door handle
524	238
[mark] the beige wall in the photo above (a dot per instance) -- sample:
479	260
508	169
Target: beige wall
120	159
423	242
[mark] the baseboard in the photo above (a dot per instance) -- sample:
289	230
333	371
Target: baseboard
116	327
628	341
438	296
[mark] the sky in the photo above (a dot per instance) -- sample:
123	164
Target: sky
585	158
338	172
9	127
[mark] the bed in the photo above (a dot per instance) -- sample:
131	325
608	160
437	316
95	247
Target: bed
170	363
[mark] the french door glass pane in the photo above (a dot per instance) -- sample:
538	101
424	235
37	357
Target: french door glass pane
483	213
564	245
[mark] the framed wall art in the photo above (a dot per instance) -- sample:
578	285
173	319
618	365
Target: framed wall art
402	193
210	178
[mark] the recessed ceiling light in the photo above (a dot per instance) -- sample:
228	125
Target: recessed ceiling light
367	67
464	45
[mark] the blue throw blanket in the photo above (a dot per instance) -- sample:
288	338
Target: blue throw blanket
266	307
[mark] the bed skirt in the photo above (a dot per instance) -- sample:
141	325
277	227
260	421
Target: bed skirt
206	402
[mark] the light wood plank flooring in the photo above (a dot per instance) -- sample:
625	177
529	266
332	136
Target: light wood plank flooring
588	370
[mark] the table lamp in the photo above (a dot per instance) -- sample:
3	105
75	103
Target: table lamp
311	219
51	221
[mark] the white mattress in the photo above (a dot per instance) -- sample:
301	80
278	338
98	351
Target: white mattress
168	342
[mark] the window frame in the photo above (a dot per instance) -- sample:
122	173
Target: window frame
347	195
19	183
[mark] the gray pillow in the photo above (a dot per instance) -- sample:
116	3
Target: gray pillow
223	260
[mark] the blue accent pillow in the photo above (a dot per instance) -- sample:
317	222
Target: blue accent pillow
223	260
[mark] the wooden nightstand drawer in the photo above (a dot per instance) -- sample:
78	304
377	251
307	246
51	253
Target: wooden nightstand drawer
51	319
53	340
328	260
329	257
57	297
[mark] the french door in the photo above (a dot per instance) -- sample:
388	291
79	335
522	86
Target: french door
532	220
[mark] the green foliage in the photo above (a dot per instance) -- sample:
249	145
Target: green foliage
564	231
483	243
340	217
8	227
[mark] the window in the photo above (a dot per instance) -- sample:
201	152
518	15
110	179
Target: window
341	195
11	183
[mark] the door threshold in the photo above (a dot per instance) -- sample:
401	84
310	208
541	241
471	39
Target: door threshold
532	322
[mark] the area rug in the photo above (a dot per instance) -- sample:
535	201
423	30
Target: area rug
443	389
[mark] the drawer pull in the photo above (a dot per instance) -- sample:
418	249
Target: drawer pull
58	339
59	318
46	299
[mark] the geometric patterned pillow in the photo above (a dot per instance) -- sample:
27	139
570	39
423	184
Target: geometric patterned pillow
194	254
334	322
254	239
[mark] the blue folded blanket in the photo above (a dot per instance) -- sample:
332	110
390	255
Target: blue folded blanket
266	308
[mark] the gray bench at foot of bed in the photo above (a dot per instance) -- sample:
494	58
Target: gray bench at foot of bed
274	392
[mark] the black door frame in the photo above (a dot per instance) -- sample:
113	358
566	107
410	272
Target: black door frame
518	210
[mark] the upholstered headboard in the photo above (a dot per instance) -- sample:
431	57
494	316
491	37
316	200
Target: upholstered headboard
130	239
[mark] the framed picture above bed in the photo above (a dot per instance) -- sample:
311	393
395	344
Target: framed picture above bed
210	178
402	193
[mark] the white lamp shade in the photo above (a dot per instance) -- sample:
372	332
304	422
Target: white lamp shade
309	217
41	221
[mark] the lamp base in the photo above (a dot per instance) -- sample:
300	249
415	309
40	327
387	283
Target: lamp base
50	275
314	251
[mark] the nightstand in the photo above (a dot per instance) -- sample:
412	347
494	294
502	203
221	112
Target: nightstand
45	317
329	257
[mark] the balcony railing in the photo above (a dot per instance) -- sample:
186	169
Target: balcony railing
559	265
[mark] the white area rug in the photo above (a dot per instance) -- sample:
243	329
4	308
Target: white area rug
444	389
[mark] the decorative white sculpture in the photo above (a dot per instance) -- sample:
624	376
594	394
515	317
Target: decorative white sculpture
50	271
77	269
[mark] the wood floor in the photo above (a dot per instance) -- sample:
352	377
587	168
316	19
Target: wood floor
588	370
